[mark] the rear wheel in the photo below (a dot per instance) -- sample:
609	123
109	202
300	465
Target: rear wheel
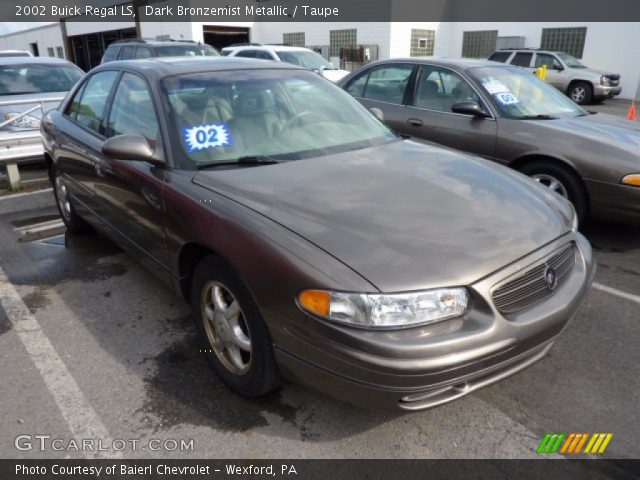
581	93
562	181
71	219
233	334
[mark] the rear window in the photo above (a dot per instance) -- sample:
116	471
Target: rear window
500	57
522	59
37	78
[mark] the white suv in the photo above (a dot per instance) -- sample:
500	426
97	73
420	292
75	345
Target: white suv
300	56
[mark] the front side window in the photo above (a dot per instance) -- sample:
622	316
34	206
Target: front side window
92	106
288	115
388	83
519	95
547	60
439	89
143	52
20	79
132	110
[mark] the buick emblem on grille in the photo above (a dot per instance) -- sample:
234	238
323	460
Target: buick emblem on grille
551	278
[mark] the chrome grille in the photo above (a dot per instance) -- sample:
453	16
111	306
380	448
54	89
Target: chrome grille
531	286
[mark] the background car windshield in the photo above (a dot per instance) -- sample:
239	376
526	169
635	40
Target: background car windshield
310	60
37	78
519	94
187	51
571	62
275	113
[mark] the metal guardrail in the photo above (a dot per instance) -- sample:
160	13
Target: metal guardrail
16	146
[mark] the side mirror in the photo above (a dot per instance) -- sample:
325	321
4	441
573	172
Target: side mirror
559	68
468	107
131	146
378	113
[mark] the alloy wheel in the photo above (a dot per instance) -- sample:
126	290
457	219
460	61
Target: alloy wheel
578	94
551	182
62	196
226	328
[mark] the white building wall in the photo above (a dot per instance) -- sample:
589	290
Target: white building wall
49	36
400	37
608	46
175	30
317	33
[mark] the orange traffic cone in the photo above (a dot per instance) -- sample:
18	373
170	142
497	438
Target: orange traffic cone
631	114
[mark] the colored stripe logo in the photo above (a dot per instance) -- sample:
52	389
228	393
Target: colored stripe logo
562	443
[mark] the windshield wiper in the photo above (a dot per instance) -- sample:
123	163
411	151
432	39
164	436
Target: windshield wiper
538	117
244	160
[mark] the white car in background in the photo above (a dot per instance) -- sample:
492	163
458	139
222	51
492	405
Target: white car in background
303	57
15	53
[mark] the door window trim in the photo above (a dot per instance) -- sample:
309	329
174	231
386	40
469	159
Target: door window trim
486	104
82	89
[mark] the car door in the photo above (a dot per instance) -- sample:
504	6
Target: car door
81	137
385	87
130	192
555	70
429	115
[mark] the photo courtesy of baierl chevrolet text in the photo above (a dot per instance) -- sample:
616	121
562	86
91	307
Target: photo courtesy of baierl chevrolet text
319	239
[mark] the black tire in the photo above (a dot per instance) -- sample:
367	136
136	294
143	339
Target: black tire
71	219
581	93
571	182
263	375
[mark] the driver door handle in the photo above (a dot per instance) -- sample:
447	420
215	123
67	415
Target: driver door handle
415	122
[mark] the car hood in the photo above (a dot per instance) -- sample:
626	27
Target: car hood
602	127
405	216
334	75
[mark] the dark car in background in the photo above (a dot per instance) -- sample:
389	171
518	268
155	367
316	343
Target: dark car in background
505	114
133	48
29	85
311	241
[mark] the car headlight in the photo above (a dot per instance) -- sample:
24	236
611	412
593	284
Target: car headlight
386	311
604	80
26	121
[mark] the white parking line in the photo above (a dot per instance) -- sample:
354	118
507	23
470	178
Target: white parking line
24	194
82	420
615	291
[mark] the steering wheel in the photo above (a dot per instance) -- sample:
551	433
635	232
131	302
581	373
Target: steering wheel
298	118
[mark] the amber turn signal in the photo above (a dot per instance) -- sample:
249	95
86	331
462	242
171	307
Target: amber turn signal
633	179
315	301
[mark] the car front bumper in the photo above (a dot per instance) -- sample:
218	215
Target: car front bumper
422	367
603	91
614	201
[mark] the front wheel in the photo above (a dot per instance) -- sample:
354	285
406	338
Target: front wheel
562	181
233	334
581	93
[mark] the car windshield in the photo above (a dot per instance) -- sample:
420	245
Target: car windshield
187	51
307	59
275	114
571	62
37	78
518	94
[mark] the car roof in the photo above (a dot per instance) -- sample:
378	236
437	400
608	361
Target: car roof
454	63
33	60
276	48
159	67
155	43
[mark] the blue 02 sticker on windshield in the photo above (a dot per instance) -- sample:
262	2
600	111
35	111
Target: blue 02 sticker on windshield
506	98
201	137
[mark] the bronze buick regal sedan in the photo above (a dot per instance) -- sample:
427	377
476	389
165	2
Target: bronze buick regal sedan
506	114
311	241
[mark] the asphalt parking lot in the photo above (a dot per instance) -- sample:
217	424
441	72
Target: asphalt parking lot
93	346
